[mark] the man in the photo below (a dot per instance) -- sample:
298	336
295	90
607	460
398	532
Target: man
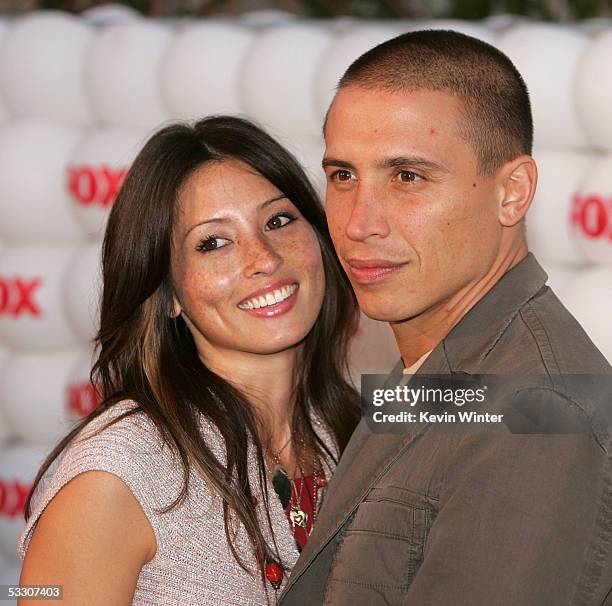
428	144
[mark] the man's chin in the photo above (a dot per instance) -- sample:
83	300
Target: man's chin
386	313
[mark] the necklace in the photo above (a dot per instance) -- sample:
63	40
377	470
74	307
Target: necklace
279	452
280	477
286	488
297	515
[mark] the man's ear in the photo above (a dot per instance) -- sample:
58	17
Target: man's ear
519	182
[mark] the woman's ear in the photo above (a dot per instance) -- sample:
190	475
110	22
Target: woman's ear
520	178
176	307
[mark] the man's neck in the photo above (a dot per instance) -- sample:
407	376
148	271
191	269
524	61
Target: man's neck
418	335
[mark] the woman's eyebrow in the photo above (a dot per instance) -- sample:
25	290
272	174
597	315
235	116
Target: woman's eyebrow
274	199
227	219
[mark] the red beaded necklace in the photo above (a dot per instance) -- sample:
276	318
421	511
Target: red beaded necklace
301	513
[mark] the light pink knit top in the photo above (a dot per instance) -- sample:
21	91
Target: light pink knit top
193	564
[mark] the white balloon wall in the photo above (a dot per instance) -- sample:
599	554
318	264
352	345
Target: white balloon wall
78	97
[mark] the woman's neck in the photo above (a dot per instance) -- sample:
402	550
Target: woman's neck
267	381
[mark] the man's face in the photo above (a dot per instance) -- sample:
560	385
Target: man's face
414	224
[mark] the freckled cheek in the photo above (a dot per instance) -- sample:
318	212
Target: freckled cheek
305	250
208	287
336	218
315	266
336	229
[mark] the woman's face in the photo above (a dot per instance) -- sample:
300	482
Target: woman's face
246	266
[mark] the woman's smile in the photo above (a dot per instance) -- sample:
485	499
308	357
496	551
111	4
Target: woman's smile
271	301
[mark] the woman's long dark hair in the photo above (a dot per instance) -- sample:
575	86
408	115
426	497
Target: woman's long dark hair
147	356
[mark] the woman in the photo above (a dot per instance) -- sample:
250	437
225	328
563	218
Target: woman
225	320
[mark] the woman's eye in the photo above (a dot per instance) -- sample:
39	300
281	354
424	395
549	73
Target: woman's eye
407	176
342	176
279	221
212	243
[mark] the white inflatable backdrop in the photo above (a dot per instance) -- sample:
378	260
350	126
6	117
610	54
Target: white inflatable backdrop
78	98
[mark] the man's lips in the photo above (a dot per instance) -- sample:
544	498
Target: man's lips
370	271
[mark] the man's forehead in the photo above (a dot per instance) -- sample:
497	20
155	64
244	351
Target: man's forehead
418	128
372	109
408	96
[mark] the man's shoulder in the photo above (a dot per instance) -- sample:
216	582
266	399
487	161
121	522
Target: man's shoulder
544	338
573	349
561	376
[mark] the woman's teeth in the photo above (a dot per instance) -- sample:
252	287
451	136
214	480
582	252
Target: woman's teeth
271	298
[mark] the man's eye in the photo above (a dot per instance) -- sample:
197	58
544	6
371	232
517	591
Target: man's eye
212	243
407	176
280	220
342	176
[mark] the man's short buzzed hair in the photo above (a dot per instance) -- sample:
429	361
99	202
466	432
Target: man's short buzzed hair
497	113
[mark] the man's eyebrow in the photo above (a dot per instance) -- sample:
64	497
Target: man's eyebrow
332	162
412	161
227	220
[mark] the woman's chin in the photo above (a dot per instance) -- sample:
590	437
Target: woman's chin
274	344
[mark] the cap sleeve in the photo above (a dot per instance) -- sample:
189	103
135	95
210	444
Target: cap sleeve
132	449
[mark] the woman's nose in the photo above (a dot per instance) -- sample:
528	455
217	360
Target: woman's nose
261	257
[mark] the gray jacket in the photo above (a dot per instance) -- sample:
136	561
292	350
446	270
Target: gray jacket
434	519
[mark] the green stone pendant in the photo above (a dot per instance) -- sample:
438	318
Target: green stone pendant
281	484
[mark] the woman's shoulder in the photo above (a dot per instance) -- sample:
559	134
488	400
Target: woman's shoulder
124	437
127	414
123	441
122	426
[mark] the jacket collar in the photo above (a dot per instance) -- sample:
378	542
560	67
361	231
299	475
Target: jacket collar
476	334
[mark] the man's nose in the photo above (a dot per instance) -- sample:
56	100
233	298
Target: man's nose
367	216
261	257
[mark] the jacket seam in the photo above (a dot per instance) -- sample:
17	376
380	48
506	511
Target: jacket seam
533	323
585	590
512	317
570	401
340	539
403	587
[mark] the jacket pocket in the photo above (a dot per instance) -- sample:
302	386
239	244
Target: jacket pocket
380	549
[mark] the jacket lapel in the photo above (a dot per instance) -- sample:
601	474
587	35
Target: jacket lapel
365	460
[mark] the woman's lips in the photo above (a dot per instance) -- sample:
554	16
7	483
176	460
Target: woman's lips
371	271
271	301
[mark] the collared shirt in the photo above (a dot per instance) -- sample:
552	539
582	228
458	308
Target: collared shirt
412	369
